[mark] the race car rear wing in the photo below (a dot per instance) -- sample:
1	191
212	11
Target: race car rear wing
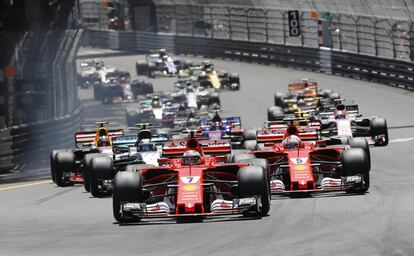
88	137
210	147
283	124
278	134
351	109
234	121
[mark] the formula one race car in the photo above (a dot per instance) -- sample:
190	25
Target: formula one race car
191	186
302	96
223	128
69	166
160	64
315	165
89	74
219	80
150	110
147	143
118	86
345	121
196	96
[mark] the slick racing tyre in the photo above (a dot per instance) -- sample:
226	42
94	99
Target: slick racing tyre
279	99
252	181
141	68
275	114
101	169
379	127
249	134
335	96
127	187
238	157
53	154
360	142
65	162
86	170
355	162
234	82
250	145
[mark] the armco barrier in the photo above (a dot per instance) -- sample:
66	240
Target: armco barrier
381	70
30	144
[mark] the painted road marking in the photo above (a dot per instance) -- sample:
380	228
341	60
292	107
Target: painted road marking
402	140
26	185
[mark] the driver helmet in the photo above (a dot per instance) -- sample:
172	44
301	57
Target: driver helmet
192	122
340	115
191	157
209	71
103	142
145	147
291	142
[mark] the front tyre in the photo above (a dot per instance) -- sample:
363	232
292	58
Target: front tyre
127	187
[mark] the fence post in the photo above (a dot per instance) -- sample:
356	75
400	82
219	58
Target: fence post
375	37
357	34
284	31
246	12
394	50
211	21
230	26
266	12
302	40
412	41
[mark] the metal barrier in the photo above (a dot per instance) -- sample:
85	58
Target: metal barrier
365	34
381	70
30	144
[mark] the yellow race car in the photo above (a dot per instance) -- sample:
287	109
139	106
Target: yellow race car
209	77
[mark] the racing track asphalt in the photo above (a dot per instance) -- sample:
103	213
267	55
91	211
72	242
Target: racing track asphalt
42	219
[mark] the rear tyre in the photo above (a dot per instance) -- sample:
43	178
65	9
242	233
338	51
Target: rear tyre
252	181
275	114
53	154
335	96
279	99
239	157
249	134
127	188
379	127
359	142
65	162
250	144
86	171
101	169
141	68
234	82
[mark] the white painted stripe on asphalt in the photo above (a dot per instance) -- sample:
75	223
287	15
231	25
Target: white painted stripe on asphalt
399	140
25	185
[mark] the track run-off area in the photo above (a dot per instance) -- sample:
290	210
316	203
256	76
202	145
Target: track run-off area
39	218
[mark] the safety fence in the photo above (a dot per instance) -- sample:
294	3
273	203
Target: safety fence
382	70
29	145
375	36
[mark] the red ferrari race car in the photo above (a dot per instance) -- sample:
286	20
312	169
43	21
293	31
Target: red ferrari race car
301	163
192	186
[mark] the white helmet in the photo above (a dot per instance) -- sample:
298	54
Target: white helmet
191	157
291	142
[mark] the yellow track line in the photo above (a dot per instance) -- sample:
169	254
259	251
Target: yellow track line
26	185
